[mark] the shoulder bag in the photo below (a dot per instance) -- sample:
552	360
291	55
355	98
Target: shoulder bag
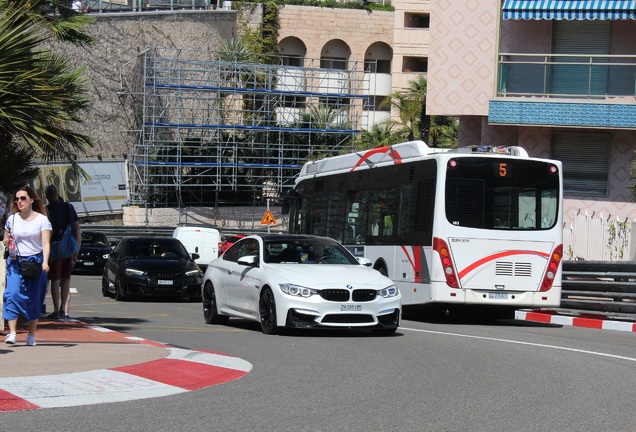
28	269
67	246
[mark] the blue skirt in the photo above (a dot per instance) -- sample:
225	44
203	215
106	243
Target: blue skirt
23	296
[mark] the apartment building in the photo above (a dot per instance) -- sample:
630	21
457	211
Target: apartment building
556	77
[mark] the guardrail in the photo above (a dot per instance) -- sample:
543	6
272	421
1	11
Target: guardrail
599	286
114	233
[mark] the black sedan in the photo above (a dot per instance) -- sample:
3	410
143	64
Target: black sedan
157	267
93	253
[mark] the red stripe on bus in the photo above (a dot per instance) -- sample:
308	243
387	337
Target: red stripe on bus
388	150
415	261
493	257
406	252
417	257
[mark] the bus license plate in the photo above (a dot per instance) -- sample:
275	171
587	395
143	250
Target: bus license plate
351	307
164	282
498	296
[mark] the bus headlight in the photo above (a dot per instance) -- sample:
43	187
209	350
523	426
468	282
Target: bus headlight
297	290
390	291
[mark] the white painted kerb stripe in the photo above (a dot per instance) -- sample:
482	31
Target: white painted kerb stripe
102	329
85	388
210	359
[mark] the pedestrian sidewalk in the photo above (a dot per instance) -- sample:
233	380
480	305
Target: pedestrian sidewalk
70	346
75	363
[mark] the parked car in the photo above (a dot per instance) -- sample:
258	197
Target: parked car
151	266
229	241
93	253
202	240
299	281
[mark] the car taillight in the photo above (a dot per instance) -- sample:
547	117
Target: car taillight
220	249
553	267
441	248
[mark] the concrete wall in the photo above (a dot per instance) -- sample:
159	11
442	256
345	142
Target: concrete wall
226	217
113	71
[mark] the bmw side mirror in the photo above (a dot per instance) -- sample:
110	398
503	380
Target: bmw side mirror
249	260
195	256
364	261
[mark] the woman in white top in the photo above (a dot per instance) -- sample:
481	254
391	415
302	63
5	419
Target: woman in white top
29	229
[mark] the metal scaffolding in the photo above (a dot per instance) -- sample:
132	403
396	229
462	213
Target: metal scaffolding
216	131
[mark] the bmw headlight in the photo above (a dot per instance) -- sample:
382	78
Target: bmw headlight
297	290
390	291
134	272
193	273
105	256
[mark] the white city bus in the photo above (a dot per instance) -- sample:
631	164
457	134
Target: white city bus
472	226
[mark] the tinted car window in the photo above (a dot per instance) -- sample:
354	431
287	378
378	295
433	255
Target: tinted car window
232	254
308	251
156	248
248	247
94	239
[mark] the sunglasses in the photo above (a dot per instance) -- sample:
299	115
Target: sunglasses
21	198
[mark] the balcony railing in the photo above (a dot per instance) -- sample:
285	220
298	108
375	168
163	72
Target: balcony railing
566	76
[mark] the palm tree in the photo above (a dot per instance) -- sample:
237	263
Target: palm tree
379	135
20	171
41	97
445	132
415	124
409	108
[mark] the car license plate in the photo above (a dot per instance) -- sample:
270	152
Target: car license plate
164	282
498	296
351	307
88	263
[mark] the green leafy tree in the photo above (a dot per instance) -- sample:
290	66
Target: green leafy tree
41	96
443	132
379	135
20	171
437	131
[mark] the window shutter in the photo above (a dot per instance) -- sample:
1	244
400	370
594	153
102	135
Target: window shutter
585	158
584	38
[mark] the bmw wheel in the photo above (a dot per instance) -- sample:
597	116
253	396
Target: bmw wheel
210	311
267	312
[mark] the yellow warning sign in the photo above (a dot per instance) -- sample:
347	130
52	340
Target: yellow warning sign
268	219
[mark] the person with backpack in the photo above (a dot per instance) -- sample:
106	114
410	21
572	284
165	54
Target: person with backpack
61	214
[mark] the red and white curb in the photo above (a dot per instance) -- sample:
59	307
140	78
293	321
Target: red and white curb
181	371
595	323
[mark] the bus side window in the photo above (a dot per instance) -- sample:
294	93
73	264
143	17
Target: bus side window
356	229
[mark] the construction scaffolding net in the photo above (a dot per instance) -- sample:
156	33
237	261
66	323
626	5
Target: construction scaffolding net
215	132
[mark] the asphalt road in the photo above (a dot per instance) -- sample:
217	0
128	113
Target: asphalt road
430	376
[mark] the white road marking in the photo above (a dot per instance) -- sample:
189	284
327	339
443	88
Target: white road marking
522	343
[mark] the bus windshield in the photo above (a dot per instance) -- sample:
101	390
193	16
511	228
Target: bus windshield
502	194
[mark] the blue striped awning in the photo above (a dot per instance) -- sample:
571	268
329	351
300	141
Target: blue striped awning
569	10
